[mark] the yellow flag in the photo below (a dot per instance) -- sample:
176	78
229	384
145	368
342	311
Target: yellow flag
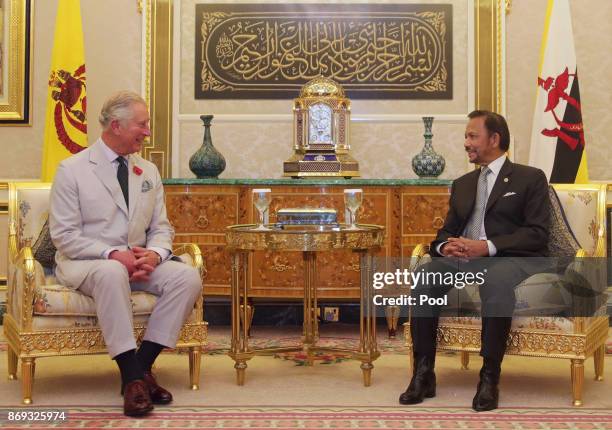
66	123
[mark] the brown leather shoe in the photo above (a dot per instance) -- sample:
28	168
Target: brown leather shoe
136	399
159	395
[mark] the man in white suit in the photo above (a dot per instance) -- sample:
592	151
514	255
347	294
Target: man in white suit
108	222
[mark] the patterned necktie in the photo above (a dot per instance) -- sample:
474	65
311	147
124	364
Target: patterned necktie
472	231
122	177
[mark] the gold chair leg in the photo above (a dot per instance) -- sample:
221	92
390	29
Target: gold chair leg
392	315
409	345
577	380
465	360
12	363
598	357
27	379
195	358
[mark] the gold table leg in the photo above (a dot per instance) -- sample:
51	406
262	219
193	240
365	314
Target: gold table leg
310	329
368	348
250	313
239	350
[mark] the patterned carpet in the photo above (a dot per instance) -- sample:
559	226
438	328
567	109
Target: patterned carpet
336	418
219	343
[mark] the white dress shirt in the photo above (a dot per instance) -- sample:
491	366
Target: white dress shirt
494	166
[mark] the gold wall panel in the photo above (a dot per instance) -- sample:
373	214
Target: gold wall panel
488	53
158	85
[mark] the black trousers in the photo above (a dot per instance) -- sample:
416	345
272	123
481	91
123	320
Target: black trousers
501	276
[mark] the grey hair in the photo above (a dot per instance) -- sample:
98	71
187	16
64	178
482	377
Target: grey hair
118	107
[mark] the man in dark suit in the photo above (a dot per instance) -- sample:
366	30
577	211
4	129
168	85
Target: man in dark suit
498	210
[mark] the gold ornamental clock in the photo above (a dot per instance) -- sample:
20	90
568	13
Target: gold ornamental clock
321	116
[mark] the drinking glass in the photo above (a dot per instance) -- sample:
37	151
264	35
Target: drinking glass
261	200
352	200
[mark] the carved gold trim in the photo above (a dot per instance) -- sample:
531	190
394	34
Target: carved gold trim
488	54
532	343
245	237
82	341
158	85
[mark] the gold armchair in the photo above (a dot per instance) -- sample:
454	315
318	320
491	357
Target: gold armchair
46	319
572	338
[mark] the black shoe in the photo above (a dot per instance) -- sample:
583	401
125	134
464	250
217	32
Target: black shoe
423	382
487	393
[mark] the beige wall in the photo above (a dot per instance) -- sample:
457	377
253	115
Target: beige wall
384	149
257	149
112	36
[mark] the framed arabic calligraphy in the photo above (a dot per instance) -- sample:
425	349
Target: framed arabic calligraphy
15	52
382	51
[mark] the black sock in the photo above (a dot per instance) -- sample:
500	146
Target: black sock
147	353
129	366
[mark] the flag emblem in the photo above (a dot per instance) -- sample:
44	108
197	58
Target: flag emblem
556	90
68	91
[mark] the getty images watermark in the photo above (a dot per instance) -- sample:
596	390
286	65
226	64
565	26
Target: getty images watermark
501	286
404	278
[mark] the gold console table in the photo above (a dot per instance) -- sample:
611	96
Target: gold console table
244	239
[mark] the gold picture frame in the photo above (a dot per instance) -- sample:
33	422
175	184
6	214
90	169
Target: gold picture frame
15	62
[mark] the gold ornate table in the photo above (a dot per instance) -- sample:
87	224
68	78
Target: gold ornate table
243	239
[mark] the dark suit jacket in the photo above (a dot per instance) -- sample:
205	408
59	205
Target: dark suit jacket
517	224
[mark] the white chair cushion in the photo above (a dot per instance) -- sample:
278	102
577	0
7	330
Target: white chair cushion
57	300
49	322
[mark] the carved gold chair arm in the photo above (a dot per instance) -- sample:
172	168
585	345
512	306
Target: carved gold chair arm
197	260
12	241
419	251
194	252
23	285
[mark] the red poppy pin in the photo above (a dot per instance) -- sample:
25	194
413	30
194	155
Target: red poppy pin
137	170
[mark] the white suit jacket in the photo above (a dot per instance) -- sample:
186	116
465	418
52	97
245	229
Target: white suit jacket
88	213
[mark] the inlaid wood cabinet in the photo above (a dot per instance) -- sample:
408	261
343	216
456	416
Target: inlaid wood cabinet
201	210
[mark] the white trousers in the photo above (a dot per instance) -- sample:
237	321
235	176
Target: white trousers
177	286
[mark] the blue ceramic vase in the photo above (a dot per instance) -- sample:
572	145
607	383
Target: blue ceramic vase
207	162
427	163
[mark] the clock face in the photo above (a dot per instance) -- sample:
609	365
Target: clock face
320	123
